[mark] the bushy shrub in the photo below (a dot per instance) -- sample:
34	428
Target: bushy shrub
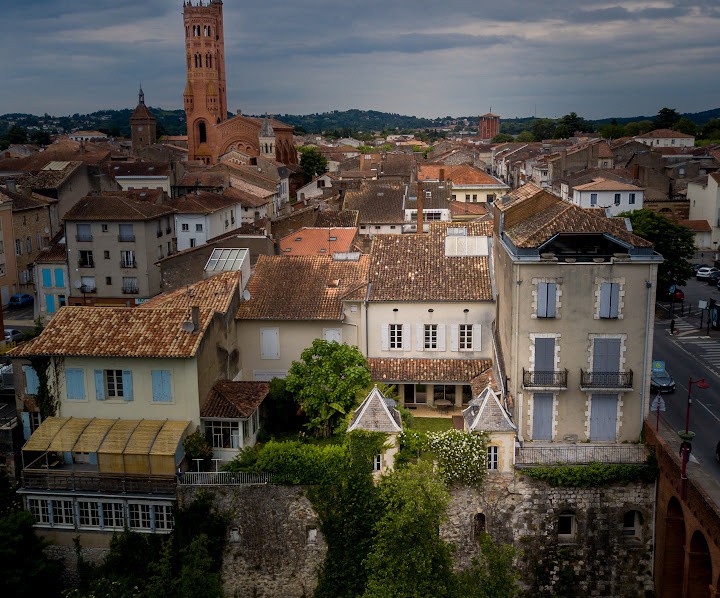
298	463
594	474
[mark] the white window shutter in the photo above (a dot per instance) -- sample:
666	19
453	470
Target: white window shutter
441	337
477	337
454	337
419	336
406	337
385	337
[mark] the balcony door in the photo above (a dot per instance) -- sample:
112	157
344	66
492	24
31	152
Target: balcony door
603	418
542	416
606	355
544	361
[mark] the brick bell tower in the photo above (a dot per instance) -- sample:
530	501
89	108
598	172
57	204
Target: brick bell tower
205	99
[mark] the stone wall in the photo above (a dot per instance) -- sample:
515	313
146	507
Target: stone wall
274	547
599	561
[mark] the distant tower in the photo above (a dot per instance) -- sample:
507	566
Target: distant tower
489	126
267	140
205	99
143	127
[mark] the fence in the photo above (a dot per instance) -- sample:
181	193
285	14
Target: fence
226	478
581	453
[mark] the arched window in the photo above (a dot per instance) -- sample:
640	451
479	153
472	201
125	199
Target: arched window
188	60
210	60
202	132
209	31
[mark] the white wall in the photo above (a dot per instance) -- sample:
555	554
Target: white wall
192	221
606	199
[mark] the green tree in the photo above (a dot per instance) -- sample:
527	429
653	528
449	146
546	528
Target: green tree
312	162
525	137
39	137
543	128
611	131
198	564
639	127
574	123
674	242
493	575
685	125
281	409
711	129
325	382
666	118
408	558
17	134
503	138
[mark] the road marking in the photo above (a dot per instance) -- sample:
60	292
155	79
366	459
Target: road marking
707	409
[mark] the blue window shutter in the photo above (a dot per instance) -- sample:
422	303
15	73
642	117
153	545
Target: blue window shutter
127	385
542	300
75	380
551	298
156	385
161	386
99	385
167	385
46	277
93	459
67	457
50	302
32	383
59	278
26	425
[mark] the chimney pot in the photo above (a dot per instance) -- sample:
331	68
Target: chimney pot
442	175
195	313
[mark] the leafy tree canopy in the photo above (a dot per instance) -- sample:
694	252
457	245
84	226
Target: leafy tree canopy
685	125
666	118
525	137
674	242
312	162
325	382
502	138
493	575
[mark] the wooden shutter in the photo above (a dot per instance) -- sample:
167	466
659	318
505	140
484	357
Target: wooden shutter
609	299
46	277
419	336
551	299
269	346
26	425
75	382
50	303
542	300
127	385
441	337
614	300
99	385
454	337
32	383
59	278
385	337
406	337
477	337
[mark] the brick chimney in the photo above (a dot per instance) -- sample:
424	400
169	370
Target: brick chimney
442	175
420	201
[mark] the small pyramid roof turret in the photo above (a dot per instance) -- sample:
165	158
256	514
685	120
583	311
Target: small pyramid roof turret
377	413
485	413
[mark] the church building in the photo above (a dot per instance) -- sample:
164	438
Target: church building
213	136
143	127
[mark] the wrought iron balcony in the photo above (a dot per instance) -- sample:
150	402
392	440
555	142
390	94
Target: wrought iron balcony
86	263
130	290
606	380
126	238
128	264
545	379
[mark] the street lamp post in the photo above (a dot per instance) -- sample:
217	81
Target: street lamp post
686	435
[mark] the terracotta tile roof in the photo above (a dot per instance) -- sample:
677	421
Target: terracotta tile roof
338	218
664	134
460	208
376	414
318	241
395	369
318	285
234	400
150	195
378	202
248	196
202	178
216	293
202	202
117	332
56	252
463	174
604	150
115	206
21	201
415	268
551	215
607	185
697	226
517	195
138	169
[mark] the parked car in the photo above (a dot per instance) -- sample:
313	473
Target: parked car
12	335
714	278
696	267
20	300
661	381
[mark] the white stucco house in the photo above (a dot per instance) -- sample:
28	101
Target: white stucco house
614	196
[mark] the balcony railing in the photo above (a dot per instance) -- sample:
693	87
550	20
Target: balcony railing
226	478
63	479
86	263
130	290
545	379
83	238
128	264
126	238
530	455
604	380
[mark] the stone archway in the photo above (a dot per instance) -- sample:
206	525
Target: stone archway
699	566
673	551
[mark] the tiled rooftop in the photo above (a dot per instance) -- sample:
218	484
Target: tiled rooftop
601	184
234	400
216	293
664	134
394	369
463	174
202	202
338	218
378	202
318	241
114	207
138	169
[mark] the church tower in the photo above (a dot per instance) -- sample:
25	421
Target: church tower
143	127
205	99
267	140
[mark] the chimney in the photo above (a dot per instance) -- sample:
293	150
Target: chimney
420	201
195	314
11	186
442	175
636	171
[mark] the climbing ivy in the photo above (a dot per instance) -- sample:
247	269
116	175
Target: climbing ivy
594	474
46	402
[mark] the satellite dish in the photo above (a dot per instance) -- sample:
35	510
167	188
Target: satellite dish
246	295
78	284
188	326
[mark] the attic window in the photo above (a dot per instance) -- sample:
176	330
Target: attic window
457	231
333	238
286	250
428	194
298	238
323	250
333	284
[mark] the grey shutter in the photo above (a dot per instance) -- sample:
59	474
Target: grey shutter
605	291
419	336
406	337
441	337
614	299
99	385
603	418
551	298
544	354
454	337
542	416
542	300
385	337
606	355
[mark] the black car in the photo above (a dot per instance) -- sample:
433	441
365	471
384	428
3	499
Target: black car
714	278
661	381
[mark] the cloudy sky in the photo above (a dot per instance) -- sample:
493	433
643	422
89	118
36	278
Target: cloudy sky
415	57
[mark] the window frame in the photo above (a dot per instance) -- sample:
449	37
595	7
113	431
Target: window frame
571	535
465	337
493	457
395	336
430	337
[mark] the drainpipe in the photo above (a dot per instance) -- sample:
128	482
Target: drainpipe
367	298
648	285
516	334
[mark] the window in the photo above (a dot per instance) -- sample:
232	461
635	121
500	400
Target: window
609	299
474	196
465	337
269	343
631	199
113	384
632	525
223	434
159	252
87	284
444	392
184	227
32	383
18	247
593	199
567	526
39	510
546	299
332	334
62	512
130	285
126	232
199	227
396	336
113	515
106	255
161	386
192	242
430	333
127	259
104	228
467	197
62	301
492	458
86	259
108	280
617	199
83	232
377	463
140	517
89	514
163	517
